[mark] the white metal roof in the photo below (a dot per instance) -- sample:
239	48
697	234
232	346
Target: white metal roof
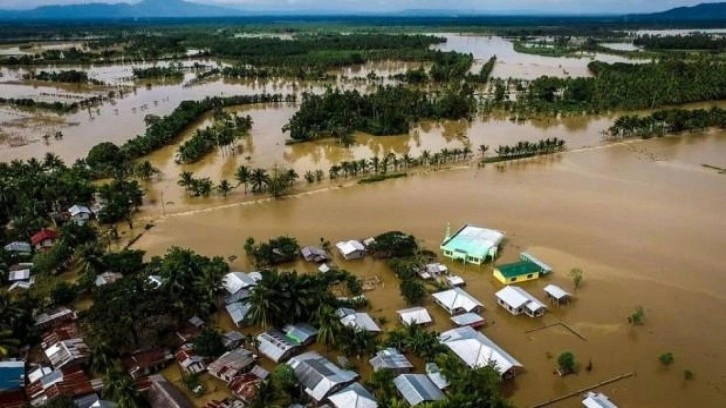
415	315
353	396
477	350
78	209
597	400
360	321
417	388
107	277
434	373
349	247
318	375
466	319
275	345
455	280
517	297
236	281
556	292
457	298
18	246
21	275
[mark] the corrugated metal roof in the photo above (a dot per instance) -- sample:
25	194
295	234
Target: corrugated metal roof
231	363
302	333
467	319
417	388
434	373
556	292
353	396
359	321
415	315
390	358
12	375
597	400
234	281
275	345
517	297
477	350
457	299
320	376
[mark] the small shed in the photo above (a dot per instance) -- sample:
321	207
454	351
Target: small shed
189	361
417	388
517	301
391	359
107	278
318	376
557	294
455	281
350	250
314	254
468	319
414	315
324	268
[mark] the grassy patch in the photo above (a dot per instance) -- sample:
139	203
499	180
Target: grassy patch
381	177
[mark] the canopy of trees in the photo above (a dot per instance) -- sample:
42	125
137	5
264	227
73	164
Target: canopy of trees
695	41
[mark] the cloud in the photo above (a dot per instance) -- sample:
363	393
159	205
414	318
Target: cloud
550	6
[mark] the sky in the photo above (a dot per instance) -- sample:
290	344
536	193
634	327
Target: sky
493	6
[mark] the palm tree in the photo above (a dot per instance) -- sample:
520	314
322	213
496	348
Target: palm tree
102	357
425	157
52	161
224	187
186	179
483	150
259	179
121	388
264	308
328	325
375	163
146	170
242	175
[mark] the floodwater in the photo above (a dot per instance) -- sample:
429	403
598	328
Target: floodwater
679	31
516	65
622	46
642	219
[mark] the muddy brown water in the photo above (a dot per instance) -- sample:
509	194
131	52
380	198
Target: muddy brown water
642	219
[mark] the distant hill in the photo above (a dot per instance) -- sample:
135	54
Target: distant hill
700	12
144	9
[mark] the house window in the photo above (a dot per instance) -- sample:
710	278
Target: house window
529	276
513	279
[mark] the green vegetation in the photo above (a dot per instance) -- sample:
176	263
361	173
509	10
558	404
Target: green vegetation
690	42
666	359
393	244
661	122
226	130
566	363
638	316
172	71
57	107
381	177
527	149
688	375
388	111
209	343
416	340
576	276
276	251
71	76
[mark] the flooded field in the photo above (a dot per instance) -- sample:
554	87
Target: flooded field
516	65
619	213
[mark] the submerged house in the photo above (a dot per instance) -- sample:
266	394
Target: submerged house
517	301
468	319
107	278
557	294
232	364
276	346
80	214
417	388
301	333
319	376
314	254
145	362
597	400
233	282
414	315
189	361
163	394
350	250
245	387
353	396
357	320
238	313
391	359
472	244
477	350
19	247
528	268
43	239
457	301
71	382
432	270
56	316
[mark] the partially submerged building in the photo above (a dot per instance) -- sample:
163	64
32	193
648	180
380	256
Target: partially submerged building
597	400
457	301
189	361
353	396
350	250
71	382
414	315
417	388
232	364
319	376
56	316
163	394
274	345
391	359
300	333
245	387
557	294
233	282
472	244
43	239
80	214
72	352
477	350
528	268
238	312
472	320
358	320
432	270
144	362
12	375
107	278
517	301
314	254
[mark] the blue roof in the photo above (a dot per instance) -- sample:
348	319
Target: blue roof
12	375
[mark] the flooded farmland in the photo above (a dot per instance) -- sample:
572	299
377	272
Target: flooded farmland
619	213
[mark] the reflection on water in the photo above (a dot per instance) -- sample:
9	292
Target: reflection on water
516	65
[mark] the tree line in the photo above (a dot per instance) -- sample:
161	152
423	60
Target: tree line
158	72
695	41
667	121
71	76
387	111
227	129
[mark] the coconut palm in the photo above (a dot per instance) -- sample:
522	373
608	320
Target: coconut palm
243	176
483	150
121	388
328	325
224	187
186	178
259	180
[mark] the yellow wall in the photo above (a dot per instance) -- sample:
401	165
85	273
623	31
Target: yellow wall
518	278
